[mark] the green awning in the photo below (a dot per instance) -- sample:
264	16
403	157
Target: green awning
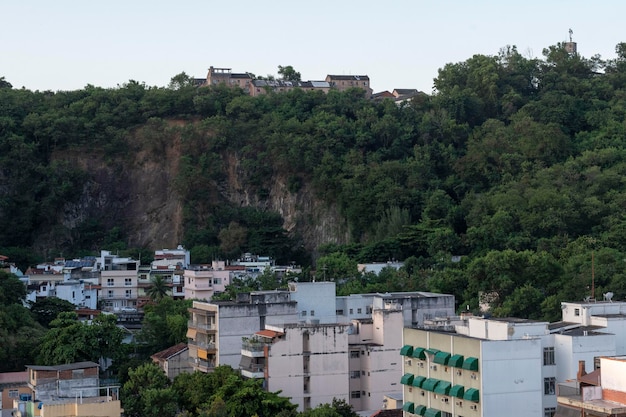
407	379
418	353
420	410
409	407
471	394
471	364
457	391
443	387
407	350
432	412
441	358
456	361
418	381
430	384
432	351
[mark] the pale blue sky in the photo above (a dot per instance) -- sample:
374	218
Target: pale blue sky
65	44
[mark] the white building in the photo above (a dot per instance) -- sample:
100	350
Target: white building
296	357
118	278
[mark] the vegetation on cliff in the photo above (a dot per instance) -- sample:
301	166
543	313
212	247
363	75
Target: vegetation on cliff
514	164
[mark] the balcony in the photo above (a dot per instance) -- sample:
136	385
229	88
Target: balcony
201	326
203	365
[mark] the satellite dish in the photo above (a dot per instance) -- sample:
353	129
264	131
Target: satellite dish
587	299
608	296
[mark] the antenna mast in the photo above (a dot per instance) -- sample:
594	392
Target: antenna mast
593	281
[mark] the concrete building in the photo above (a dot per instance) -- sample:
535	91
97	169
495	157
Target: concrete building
13	386
216	329
202	281
345	82
71	390
173	360
217	76
118	278
599	393
365	343
416	306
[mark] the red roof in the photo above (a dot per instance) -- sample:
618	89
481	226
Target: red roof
3	258
170	351
269	333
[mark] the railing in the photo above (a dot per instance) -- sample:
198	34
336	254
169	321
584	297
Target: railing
204	326
253	346
204	345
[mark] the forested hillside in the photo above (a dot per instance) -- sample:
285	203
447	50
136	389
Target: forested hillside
514	164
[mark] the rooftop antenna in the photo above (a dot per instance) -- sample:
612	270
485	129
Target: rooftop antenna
571	32
593	280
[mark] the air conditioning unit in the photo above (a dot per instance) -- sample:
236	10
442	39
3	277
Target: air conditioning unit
459	403
444	400
421	364
473	376
433	367
473	406
407	362
458	373
422	393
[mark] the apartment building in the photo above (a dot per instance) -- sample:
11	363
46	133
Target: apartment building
216	329
360	353
118	278
201	282
519	363
345	82
13	386
217	76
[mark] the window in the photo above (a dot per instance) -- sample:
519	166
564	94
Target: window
354	354
355	394
359	311
549	386
355	374
217	281
303	313
129	293
128	282
351	311
312	313
368	310
577	312
110	293
548	356
446	414
13	393
110	282
339	312
549	412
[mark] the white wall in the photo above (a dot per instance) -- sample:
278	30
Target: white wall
317	297
613	371
511	378
571	349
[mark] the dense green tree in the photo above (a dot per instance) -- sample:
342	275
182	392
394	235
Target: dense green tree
147	392
48	308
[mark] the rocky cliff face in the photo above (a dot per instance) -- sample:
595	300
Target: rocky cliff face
137	193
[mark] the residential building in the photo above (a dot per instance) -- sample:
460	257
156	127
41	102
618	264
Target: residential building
416	306
345	82
71	390
173	360
200	282
450	374
360	354
118	278
599	393
13	386
216	329
226	76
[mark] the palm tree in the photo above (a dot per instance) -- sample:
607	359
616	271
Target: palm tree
158	289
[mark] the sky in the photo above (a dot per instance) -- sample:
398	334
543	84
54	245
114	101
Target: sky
68	44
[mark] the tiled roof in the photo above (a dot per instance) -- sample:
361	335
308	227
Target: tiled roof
388	413
170	351
268	333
